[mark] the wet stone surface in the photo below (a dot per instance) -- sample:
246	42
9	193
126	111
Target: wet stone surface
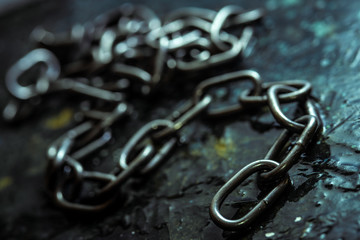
298	39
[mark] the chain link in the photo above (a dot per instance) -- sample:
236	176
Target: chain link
129	51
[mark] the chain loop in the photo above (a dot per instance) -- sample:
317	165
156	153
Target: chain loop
303	90
274	106
240	76
184	115
236	46
235	181
26	63
293	155
147	131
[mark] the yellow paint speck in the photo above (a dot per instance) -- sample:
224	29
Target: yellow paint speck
196	152
61	120
223	147
5	182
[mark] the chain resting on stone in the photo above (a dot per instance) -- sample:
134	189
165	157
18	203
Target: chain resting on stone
128	52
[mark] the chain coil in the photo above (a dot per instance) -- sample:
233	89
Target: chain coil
132	45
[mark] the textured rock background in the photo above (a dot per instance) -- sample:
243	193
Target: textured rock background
299	39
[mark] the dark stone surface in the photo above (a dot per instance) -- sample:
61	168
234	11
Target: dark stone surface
298	39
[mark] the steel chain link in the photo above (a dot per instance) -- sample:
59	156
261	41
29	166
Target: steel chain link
131	44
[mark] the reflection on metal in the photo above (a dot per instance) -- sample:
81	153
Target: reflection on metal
132	45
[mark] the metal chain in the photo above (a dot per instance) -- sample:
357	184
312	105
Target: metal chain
129	52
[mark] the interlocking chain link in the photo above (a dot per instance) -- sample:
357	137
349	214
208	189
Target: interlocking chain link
129	52
270	171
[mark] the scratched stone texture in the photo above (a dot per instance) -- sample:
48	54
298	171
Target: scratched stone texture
316	40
